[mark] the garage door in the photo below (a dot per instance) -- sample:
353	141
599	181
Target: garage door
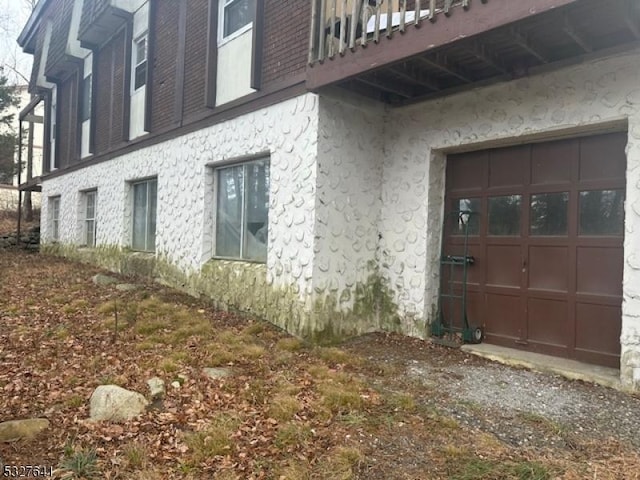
547	242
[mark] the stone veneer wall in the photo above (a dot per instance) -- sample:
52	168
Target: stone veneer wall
287	132
574	100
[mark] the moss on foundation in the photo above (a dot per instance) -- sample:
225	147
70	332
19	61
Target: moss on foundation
325	318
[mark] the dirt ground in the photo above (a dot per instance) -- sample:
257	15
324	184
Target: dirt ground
380	406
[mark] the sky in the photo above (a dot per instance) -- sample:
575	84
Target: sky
14	64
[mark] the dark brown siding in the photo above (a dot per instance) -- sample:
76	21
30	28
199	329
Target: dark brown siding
165	27
67	127
196	56
286	34
117	92
109	81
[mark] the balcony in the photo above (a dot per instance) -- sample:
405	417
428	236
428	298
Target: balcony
403	51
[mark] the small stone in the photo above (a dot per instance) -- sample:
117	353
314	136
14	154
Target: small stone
215	373
175	384
156	387
126	287
14	430
116	404
101	279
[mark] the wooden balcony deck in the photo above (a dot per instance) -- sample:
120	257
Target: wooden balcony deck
402	51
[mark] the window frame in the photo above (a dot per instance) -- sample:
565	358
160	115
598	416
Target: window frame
222	39
216	171
54	217
87	220
137	63
147	216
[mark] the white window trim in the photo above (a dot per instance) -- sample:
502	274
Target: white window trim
93	219
133	213
216	180
54	205
222	40
135	63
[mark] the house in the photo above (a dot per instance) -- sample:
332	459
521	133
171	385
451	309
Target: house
298	159
31	129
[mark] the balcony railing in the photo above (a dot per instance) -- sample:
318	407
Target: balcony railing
338	25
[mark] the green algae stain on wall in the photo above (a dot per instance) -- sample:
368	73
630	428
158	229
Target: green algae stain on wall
326	318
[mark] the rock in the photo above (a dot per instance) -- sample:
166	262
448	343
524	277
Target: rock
175	384
126	287
22	429
214	373
101	279
115	404
156	387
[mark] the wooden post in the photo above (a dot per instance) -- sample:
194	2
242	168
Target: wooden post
332	29
365	21
432	11
403	15
343	27
321	25
418	10
19	182
389	19
376	29
353	25
313	54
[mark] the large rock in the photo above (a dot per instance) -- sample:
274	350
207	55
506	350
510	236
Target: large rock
156	387
101	279
215	373
115	404
22	429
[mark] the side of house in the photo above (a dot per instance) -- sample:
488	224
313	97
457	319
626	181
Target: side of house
288	161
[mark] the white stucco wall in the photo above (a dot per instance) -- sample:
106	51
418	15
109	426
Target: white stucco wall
565	102
350	152
287	131
234	68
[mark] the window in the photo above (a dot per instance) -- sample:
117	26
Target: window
144	215
602	212
504	215
236	17
86	98
242	213
54	217
140	62
549	213
466	219
90	218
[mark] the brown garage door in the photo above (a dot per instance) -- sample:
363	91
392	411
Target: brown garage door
547	242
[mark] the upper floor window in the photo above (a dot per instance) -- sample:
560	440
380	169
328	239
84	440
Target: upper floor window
236	17
140	62
242	211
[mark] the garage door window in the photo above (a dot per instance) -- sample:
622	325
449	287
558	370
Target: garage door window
504	215
601	212
459	222
549	214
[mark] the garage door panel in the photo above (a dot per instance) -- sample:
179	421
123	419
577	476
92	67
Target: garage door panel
547	321
545	167
467	172
599	270
504	265
474	271
598	328
600	157
452	309
507	166
503	314
548	268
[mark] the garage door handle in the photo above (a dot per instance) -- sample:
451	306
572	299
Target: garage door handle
524	265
